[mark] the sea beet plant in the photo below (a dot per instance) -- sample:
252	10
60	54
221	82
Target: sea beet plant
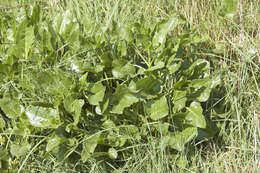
92	91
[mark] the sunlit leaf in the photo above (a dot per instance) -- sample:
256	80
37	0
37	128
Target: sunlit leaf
158	109
53	142
112	153
29	39
163	29
43	117
98	91
89	145
122	68
195	116
179	139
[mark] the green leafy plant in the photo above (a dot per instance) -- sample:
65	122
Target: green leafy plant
94	92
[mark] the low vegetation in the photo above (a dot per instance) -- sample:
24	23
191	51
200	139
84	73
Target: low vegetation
129	86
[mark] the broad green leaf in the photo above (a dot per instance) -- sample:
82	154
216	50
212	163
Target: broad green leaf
66	25
106	59
4	68
202	89
143	41
98	91
122	69
158	65
130	131
229	8
122	98
2	123
53	142
125	33
4	159
148	86
35	18
182	162
89	145
158	109
19	149
77	106
109	124
122	47
163	29
179	139
195	116
55	84
199	68
162	128
115	140
174	64
11	107
179	119
216	80
3	154
112	153
68	103
43	117
179	100
29	39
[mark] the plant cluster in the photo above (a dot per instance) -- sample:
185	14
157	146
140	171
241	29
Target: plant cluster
91	91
